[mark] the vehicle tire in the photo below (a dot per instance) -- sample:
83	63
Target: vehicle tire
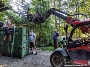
57	60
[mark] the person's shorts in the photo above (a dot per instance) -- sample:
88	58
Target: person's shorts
7	31
31	44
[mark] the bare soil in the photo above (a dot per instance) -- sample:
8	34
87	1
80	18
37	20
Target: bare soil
42	59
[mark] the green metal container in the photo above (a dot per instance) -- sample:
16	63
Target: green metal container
20	46
1	34
7	50
2	49
20	52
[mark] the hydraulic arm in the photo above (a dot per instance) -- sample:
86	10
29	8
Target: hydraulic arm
40	18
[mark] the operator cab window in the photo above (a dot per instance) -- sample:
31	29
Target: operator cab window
78	35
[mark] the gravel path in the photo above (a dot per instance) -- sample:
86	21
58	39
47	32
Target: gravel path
40	60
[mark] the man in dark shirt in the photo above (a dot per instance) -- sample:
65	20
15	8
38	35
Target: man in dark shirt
55	39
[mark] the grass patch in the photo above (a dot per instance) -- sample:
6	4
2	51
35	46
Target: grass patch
50	48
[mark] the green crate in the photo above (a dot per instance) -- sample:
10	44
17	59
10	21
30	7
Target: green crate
1	49
25	37
23	43
2	36
20	52
7	49
28	48
19	39
1	33
1	29
24	30
22	37
18	43
20	46
27	51
1	40
21	31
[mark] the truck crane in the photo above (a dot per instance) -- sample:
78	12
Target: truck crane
74	52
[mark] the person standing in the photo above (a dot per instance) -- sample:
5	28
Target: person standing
55	38
32	37
7	27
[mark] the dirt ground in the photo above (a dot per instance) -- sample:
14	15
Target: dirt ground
42	59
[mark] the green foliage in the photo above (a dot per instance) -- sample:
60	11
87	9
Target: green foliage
44	33
1	16
45	30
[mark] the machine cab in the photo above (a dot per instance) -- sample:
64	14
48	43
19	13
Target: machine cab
78	44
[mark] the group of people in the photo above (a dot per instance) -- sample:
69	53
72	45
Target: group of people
7	27
32	36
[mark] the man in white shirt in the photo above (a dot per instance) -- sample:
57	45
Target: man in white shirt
32	38
7	30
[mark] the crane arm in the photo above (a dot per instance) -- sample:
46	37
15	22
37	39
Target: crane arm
41	18
38	18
